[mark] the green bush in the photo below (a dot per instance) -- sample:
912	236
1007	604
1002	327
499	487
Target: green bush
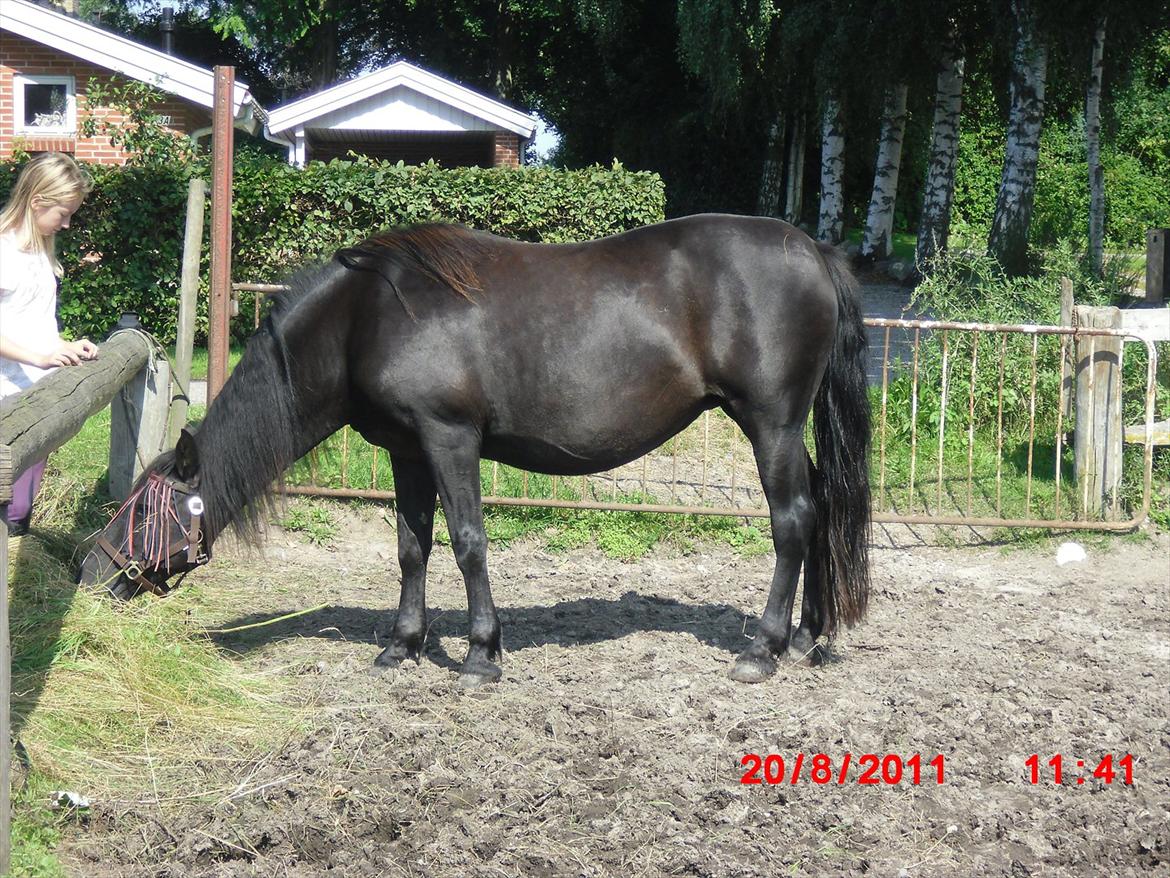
284	217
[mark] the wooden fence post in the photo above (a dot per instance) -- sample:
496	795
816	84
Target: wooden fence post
188	296
139	416
1099	430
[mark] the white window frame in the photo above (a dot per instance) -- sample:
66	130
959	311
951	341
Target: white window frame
20	80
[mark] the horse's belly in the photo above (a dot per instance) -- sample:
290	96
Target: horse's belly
584	447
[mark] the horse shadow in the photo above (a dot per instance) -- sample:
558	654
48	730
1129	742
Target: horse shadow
582	621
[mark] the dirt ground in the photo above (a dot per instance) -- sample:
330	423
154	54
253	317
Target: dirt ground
614	743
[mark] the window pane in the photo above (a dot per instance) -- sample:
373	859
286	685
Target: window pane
45	105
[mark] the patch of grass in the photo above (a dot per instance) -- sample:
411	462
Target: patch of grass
313	520
107	694
110	697
36	832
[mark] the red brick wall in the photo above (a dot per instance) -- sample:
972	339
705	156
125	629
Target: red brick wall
21	56
507	150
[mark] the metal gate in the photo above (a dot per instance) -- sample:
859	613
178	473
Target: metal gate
971	426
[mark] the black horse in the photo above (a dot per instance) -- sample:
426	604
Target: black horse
445	345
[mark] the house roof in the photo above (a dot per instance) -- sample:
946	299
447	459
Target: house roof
403	74
90	43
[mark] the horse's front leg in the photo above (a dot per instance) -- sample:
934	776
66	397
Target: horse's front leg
454	455
415	489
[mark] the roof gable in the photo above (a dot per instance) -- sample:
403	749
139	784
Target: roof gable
117	53
362	97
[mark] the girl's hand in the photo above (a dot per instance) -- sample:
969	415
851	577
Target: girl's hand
69	353
84	348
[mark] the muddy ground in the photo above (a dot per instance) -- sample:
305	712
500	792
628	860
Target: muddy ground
614	743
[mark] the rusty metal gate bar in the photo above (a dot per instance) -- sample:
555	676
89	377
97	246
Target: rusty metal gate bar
699	468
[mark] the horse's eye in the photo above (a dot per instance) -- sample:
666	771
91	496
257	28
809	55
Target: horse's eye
195	505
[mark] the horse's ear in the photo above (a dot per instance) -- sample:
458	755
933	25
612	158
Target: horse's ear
186	458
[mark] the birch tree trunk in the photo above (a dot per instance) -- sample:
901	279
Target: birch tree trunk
768	201
1017	188
793	201
879	221
935	225
831	221
1093	147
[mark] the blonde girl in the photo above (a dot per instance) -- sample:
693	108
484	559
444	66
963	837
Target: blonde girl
48	192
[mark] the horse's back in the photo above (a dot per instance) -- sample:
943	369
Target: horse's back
577	357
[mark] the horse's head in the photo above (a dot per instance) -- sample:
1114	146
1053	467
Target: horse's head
156	534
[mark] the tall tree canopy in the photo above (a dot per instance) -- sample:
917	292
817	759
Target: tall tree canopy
731	100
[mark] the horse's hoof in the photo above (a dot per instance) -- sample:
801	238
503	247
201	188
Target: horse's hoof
478	674
393	656
752	669
803	650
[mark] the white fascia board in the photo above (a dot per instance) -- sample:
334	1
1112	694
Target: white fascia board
116	53
401	73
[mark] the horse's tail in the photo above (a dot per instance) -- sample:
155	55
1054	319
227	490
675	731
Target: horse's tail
841	428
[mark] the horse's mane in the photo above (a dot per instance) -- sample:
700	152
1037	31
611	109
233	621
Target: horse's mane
445	254
241	469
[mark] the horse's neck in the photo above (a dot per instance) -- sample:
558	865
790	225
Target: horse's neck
258	426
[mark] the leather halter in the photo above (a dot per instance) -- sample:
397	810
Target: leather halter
191	541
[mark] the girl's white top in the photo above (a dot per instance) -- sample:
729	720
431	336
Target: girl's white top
28	311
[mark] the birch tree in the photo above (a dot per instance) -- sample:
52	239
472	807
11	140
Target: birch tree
1008	241
831	220
772	175
879	223
934	226
794	190
1093	150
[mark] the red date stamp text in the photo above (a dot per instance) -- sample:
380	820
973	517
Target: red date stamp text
870	769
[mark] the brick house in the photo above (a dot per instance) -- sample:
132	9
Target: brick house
50	60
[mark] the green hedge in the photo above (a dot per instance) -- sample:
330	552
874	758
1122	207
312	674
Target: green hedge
284	217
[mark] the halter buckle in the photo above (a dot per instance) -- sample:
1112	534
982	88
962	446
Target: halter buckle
133	570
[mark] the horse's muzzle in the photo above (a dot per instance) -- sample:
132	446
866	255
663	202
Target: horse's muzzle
98	573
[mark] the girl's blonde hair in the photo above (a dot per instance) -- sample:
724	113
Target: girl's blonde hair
54	178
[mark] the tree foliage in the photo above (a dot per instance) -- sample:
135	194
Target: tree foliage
690	88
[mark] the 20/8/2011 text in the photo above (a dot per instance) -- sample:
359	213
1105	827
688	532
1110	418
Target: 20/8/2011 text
820	768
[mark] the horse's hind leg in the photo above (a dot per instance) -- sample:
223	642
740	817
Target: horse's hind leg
415	488
782	461
803	645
